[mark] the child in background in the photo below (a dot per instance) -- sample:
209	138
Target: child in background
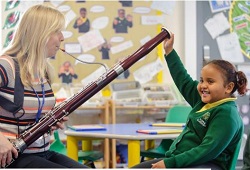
82	22
104	49
121	23
67	73
214	126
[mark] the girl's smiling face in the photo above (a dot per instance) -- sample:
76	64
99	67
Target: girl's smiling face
212	86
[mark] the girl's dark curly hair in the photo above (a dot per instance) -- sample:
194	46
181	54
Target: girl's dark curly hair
232	75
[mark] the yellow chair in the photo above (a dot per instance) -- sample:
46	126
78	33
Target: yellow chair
88	156
177	114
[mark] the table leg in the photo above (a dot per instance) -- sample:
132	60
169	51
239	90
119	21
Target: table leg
113	154
149	144
133	153
72	147
87	145
106	152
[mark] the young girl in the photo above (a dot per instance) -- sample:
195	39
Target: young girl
214	126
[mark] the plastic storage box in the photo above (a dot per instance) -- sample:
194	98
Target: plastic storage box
96	100
159	95
127	93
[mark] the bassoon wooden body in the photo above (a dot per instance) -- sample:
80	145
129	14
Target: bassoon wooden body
72	103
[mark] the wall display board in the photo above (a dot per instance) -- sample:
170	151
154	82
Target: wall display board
224	34
239	20
99	32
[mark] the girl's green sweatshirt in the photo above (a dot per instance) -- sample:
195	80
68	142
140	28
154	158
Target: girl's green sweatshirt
212	130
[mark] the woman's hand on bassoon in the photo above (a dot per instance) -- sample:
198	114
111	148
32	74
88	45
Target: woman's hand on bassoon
7	150
168	44
60	124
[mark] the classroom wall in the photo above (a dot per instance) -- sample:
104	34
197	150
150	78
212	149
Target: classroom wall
204	38
174	22
184	28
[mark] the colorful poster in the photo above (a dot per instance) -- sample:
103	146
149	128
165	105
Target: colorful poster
239	23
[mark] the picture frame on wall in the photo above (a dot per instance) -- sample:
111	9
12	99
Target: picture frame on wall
219	5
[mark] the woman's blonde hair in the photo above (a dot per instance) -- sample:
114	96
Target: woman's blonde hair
28	45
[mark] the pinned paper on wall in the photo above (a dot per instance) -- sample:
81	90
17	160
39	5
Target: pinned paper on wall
97	8
153	19
121	47
217	25
166	7
91	40
67	34
145	40
24	5
117	39
57	2
100	23
89	58
64	8
73	48
229	48
146	73
219	5
69	16
93	76
141	10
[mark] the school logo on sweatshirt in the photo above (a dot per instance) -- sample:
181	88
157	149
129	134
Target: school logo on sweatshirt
203	119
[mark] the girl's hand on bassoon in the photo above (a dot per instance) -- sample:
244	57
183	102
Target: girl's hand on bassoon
7	150
168	44
60	125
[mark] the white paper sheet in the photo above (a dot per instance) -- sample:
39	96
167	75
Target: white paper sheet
153	19
146	73
69	16
164	6
94	76
217	25
73	48
121	47
91	40
229	48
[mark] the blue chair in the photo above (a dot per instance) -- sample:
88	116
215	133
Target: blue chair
177	114
89	156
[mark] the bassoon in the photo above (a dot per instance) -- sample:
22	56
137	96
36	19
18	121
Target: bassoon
73	102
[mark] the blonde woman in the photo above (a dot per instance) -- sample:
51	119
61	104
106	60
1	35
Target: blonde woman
37	38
